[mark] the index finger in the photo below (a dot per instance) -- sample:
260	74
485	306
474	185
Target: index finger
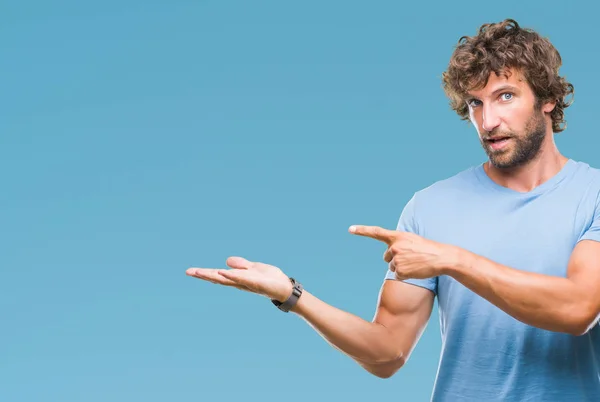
375	232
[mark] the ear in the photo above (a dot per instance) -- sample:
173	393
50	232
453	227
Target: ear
548	107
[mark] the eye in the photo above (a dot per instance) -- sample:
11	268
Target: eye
473	102
506	96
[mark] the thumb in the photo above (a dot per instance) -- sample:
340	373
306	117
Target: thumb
238	263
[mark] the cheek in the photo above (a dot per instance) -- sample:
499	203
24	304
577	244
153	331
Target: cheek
476	121
516	117
472	115
472	118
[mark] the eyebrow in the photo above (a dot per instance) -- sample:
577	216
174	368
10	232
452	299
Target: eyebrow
505	88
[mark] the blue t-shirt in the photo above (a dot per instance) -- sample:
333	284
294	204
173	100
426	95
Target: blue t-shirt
487	355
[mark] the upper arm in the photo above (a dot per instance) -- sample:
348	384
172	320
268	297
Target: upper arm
584	271
404	309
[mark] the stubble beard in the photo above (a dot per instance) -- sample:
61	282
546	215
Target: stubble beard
525	148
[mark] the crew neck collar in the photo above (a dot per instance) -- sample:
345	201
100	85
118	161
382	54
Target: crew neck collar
548	184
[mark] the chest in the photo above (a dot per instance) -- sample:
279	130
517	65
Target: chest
532	234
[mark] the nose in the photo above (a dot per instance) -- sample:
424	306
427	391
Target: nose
491	120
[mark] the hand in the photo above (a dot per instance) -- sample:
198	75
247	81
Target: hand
255	277
409	255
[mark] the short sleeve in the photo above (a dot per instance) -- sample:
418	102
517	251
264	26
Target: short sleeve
408	222
593	231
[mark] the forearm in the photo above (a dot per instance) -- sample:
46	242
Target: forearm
366	342
548	302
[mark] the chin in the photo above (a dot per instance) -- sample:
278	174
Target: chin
502	161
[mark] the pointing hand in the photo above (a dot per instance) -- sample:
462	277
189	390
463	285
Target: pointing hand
410	255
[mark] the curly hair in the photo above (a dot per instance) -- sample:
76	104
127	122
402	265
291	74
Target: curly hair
499	47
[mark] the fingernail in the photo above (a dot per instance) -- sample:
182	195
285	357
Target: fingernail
352	229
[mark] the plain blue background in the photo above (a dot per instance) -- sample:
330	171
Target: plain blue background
140	138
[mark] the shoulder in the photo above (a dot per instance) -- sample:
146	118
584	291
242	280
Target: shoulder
584	179
585	184
459	183
439	201
583	170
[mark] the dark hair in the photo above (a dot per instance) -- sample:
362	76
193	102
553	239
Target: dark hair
497	48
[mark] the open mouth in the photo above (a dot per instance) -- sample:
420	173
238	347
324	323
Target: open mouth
498	143
499	139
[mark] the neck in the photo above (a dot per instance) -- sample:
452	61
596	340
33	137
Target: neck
525	178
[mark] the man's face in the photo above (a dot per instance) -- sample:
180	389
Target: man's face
511	127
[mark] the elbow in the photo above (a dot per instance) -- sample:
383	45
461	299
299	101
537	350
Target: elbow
582	321
385	370
384	375
580	328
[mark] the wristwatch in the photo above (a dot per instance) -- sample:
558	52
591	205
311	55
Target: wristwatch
292	300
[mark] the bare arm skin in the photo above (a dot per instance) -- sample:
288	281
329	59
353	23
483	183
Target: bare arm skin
383	345
570	305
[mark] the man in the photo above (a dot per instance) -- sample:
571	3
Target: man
511	247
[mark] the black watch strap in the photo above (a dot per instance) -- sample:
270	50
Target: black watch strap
292	300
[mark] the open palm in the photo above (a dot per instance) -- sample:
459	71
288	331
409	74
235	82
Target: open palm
255	277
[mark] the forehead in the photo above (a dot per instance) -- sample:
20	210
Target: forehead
509	79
